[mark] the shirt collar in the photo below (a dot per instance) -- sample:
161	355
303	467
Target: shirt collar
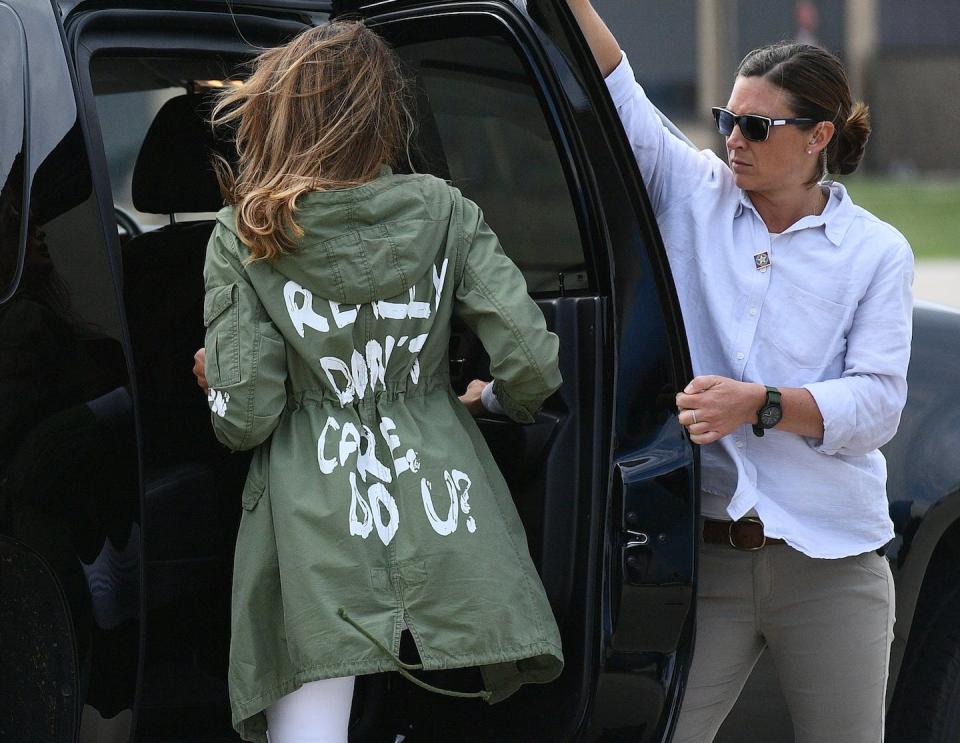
835	217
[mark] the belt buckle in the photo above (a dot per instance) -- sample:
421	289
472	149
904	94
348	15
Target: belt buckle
746	520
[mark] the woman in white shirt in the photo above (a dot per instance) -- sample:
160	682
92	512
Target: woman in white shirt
797	305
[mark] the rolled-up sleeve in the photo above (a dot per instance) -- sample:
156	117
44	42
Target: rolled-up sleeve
245	353
861	409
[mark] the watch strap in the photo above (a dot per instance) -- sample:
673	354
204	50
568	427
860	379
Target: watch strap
774	397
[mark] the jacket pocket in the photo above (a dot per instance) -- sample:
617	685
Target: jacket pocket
221	318
256	484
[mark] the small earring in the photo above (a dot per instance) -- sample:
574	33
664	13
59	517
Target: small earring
809	152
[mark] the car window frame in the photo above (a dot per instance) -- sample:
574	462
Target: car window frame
132	32
569	153
463	26
8	290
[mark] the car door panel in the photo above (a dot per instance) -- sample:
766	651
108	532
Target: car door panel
549	464
69	506
474	85
644	622
605	462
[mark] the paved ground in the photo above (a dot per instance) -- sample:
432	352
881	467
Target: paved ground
938	280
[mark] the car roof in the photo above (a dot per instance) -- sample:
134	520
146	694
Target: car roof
68	6
309	6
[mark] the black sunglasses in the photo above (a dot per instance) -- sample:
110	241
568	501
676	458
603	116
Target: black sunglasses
753	127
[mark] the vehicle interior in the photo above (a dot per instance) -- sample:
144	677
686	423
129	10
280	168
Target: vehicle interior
481	124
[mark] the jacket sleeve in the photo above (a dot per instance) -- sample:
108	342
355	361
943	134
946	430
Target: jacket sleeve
491	297
861	410
246	366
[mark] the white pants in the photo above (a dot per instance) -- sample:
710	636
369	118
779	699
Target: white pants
317	712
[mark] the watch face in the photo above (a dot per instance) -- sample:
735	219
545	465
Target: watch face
770	416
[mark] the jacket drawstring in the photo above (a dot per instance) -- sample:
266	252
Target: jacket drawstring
404	668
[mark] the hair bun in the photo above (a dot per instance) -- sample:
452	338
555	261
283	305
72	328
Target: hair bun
850	142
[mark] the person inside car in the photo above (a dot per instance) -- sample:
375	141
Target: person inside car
797	305
373	506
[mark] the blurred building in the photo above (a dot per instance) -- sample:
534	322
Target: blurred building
903	57
913	85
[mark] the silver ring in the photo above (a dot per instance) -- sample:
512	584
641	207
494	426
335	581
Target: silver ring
694	414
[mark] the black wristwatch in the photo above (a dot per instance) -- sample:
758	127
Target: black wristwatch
770	412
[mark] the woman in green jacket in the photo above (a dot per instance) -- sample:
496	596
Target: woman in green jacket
372	505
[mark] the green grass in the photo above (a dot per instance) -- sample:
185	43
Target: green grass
926	212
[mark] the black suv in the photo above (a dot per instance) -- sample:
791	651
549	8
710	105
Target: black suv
118	510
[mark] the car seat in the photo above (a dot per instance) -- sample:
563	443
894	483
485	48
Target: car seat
163	276
192	484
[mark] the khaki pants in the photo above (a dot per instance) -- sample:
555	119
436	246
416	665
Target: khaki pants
827	623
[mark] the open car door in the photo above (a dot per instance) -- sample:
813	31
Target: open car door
69	514
512	110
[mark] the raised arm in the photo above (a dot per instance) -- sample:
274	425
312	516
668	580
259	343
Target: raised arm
606	50
672	170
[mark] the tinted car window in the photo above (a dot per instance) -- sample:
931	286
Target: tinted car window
481	121
129	92
124	118
11	146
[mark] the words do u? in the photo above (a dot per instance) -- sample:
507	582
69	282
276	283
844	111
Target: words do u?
377	508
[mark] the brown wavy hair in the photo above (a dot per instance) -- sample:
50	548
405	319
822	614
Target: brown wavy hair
321	112
817	88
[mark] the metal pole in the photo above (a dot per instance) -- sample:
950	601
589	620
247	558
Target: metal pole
717	54
861	23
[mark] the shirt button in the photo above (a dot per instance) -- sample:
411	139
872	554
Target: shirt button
740	356
739	444
753	312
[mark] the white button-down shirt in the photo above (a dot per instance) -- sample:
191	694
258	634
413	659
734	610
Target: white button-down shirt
831	313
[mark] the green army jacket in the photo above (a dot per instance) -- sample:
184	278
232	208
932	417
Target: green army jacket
372	503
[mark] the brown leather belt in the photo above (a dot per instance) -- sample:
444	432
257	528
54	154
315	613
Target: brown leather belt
745	534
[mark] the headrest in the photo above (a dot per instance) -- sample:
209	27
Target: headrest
173	172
